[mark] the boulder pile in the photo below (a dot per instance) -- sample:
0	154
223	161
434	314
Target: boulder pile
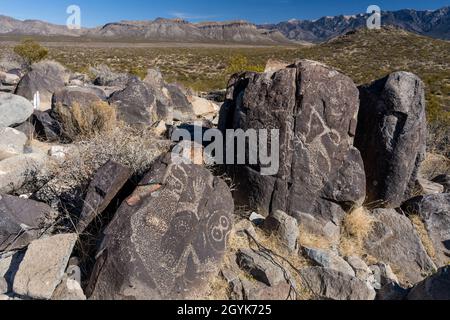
347	215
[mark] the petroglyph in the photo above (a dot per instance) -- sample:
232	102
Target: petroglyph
176	236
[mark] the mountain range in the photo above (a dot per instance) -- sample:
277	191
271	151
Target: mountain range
434	24
430	23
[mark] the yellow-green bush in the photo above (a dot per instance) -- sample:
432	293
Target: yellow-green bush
31	51
239	63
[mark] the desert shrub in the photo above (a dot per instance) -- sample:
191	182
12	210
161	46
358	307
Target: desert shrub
31	51
139	72
239	63
80	122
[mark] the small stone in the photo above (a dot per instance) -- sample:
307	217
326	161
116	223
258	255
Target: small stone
329	260
361	269
285	227
58	152
69	289
334	285
43	266
12	143
259	265
257	219
427	187
383	275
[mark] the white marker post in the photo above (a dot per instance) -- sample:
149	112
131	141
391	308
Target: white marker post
36	101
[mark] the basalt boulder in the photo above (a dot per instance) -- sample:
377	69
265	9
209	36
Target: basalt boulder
391	136
166	238
70	96
14	109
315	109
434	210
46	78
136	104
22	221
394	241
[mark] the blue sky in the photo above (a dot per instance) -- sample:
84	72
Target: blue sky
98	12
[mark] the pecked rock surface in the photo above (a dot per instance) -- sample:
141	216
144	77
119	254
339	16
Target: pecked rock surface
391	136
167	238
315	108
47	77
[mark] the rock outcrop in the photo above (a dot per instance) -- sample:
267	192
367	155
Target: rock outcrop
14	109
167	238
332	285
436	287
22	221
391	136
136	104
434	210
45	77
394	241
43	266
315	109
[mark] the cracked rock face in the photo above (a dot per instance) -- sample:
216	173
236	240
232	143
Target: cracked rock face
391	136
167	238
394	241
21	221
315	108
435	213
43	265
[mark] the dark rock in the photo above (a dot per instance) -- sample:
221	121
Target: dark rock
332	285
392	292
113	79
329	260
436	287
136	104
284	227
69	96
167	238
182	108
434	211
443	180
315	109
45	77
391	136
105	185
260	266
21	221
394	241
46	126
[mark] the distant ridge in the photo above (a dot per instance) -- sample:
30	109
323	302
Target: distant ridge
160	29
434	24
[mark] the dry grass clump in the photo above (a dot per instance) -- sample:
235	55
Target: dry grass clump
65	182
312	240
291	262
357	225
423	235
84	122
434	165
